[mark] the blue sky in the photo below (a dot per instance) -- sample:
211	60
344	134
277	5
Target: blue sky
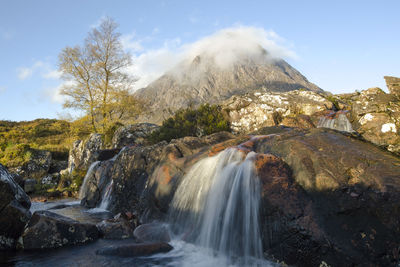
341	46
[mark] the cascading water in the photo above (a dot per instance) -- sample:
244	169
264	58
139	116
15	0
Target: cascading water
85	184
106	198
217	204
337	121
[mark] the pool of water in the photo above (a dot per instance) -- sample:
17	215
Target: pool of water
183	254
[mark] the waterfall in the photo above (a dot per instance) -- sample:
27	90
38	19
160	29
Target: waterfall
337	121
106	198
217	206
85	184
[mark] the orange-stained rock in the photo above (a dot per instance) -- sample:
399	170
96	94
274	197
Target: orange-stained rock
167	176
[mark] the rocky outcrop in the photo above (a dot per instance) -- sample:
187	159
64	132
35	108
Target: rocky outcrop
253	111
29	185
376	116
339	203
50	230
144	178
37	167
135	249
14	210
393	84
119	227
132	134
326	195
84	153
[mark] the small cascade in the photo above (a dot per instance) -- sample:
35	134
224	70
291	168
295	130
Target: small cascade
85	184
106	198
217	206
337	121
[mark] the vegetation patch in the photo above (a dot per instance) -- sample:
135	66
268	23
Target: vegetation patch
19	139
205	120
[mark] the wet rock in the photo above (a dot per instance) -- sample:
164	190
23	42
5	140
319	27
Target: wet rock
152	232
337	120
84	153
29	185
106	154
132	134
145	178
333	188
14	210
119	227
135	250
95	183
50	230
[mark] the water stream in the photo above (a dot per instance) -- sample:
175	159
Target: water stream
214	217
85	183
337	121
217	205
106	198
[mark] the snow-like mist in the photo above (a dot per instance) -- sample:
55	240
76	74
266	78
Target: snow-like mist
225	47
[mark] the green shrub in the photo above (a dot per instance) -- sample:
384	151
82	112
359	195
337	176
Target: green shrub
109	134
16	155
205	120
334	101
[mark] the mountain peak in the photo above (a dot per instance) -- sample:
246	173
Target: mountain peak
210	77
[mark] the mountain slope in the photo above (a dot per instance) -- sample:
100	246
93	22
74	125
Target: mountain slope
202	80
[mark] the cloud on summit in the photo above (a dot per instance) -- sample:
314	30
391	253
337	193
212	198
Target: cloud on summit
226	47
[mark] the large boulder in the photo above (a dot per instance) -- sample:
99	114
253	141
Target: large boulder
393	84
376	116
14	210
152	232
84	153
253	111
37	167
132	134
339	202
119	227
47	229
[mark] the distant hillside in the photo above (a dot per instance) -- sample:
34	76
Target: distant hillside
44	134
200	80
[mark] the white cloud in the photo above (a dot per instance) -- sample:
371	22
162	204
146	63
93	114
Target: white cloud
44	69
2	89
52	74
54	93
225	47
130	44
26	72
151	64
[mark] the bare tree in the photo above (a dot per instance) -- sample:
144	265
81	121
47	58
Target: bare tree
96	75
